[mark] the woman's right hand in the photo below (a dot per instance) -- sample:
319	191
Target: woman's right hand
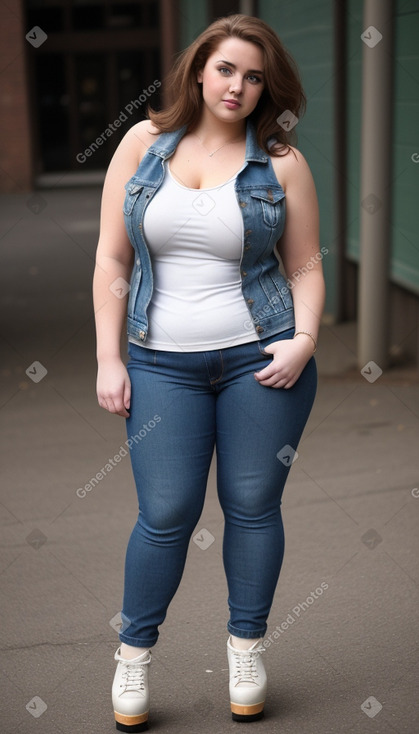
113	386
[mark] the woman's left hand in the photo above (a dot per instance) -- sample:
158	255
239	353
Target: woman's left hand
290	356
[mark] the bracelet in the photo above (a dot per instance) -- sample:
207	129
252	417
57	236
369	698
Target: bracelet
311	337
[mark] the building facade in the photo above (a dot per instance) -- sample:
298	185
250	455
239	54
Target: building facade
76	74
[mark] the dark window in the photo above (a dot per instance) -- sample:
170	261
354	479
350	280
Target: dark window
88	17
218	8
50	19
92	102
134	14
100	57
52	105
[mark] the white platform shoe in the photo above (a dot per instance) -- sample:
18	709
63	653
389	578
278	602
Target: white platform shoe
130	693
248	682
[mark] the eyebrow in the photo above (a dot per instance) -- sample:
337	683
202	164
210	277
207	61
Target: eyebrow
253	71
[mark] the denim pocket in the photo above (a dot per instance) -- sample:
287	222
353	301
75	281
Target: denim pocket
271	204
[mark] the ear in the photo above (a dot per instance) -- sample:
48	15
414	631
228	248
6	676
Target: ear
199	76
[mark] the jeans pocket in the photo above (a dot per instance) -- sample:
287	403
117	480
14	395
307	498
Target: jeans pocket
262	343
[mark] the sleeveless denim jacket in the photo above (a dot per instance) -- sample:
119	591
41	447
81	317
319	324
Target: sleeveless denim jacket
262	204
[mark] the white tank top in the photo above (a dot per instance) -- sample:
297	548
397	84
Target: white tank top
195	240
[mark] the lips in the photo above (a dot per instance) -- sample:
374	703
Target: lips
232	104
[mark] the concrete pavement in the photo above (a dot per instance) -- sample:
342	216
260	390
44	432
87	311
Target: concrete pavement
342	640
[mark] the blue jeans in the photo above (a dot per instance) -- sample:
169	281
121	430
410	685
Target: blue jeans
182	405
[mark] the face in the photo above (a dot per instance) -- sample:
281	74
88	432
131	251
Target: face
232	79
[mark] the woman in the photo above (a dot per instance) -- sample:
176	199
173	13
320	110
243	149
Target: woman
220	342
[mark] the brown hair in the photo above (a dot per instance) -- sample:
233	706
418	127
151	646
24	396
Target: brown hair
282	90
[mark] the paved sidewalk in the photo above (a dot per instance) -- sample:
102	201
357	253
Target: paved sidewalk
342	642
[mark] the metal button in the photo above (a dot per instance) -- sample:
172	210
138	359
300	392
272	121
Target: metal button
141	334
250	301
246	247
248	231
244	273
259	329
138	260
243	204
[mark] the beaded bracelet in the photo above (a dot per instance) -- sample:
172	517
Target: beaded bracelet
311	337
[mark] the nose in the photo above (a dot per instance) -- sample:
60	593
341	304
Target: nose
236	84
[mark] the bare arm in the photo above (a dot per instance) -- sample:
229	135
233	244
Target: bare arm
114	260
300	255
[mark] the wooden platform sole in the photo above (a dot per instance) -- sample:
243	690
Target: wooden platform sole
246	713
131	724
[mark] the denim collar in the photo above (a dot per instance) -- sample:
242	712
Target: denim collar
166	145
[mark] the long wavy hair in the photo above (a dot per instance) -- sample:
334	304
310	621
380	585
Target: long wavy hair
282	91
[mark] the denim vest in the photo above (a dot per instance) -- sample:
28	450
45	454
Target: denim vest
262	204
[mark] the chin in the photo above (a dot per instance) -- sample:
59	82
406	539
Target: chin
231	115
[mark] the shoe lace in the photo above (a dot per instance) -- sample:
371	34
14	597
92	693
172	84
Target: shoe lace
246	671
133	676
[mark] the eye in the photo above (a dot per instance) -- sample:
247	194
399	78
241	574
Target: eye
224	70
254	79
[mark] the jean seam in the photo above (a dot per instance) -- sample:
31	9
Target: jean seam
212	381
246	634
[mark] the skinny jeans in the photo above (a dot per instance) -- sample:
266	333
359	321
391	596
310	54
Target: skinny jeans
183	405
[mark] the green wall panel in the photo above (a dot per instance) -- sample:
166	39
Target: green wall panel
193	19
405	252
354	96
404	265
306	29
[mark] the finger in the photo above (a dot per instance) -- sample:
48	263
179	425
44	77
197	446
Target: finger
266	373
119	408
271	374
274	381
293	379
127	396
269	349
290	381
111	405
103	402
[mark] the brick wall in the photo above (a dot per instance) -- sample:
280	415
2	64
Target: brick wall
16	137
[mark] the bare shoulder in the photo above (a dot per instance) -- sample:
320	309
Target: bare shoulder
292	168
145	133
131	151
141	136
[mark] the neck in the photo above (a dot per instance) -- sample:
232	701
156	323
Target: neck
213	131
